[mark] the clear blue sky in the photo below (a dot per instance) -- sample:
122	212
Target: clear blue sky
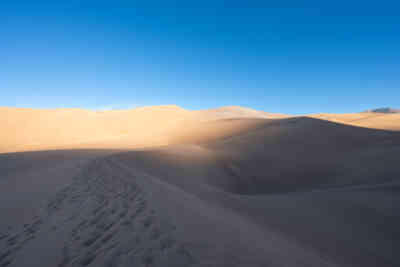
324	56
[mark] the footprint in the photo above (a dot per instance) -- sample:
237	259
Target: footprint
148	258
3	236
166	243
155	234
91	240
5	255
147	222
87	259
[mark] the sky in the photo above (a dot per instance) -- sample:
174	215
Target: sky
341	56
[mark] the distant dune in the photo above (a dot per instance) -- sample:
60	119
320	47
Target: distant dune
35	129
374	120
38	129
164	186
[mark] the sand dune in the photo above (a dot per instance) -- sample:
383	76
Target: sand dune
35	129
374	120
235	112
40	129
32	129
222	187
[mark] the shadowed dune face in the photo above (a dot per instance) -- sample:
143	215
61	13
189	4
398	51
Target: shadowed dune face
303	153
329	186
281	156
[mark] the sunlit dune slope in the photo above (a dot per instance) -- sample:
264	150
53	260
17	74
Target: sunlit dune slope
42	129
375	120
37	129
280	155
33	129
327	185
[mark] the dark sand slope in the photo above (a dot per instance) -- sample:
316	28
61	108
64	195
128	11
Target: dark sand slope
111	214
287	192
331	188
101	218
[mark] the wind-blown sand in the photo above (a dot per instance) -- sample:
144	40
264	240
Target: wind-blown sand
164	186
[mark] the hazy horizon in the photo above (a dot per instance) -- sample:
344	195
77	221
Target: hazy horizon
122	108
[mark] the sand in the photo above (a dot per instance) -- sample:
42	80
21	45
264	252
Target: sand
164	186
374	120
